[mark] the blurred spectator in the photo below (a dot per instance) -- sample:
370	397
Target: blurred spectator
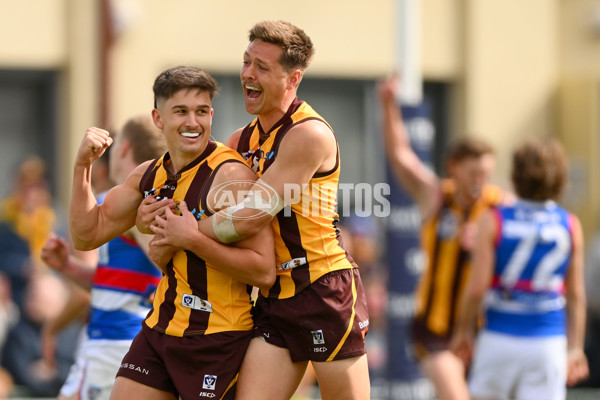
15	262
28	209
22	355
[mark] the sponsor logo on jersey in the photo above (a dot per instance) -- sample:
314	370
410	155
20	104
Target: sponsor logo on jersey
195	303
135	368
318	337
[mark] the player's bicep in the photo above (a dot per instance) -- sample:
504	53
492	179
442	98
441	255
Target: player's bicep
119	209
300	155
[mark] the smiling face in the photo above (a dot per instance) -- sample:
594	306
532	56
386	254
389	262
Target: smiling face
185	119
268	88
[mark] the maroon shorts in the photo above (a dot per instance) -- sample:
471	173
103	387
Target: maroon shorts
326	321
192	367
426	342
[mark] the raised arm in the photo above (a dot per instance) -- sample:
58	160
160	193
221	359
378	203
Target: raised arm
91	224
577	365
419	181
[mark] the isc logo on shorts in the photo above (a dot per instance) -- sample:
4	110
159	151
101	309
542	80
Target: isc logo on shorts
318	337
210	382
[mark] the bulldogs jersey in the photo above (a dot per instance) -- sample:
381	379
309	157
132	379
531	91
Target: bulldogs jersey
123	284
534	247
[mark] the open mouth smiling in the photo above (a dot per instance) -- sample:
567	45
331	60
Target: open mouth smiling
252	92
190	134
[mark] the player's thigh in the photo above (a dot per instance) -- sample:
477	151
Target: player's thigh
128	389
447	373
497	365
347	378
546	372
442	365
268	373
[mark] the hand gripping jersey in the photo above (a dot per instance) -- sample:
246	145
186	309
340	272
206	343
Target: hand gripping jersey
194	298
122	288
442	282
307	241
534	247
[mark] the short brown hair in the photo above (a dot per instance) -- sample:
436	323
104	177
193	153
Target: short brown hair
297	46
468	148
147	141
539	169
172	80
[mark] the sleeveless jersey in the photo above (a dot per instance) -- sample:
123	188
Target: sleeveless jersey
441	285
194	297
123	284
308	244
533	252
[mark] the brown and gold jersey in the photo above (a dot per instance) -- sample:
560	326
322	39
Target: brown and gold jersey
193	297
441	285
307	241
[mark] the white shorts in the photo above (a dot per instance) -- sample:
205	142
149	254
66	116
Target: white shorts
509	367
92	376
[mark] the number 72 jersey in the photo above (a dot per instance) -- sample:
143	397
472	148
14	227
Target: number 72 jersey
533	252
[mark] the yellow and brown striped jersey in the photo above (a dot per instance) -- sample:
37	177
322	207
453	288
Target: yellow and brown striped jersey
307	241
194	297
448	262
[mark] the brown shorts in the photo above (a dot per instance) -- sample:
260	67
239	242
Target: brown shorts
327	321
426	342
196	366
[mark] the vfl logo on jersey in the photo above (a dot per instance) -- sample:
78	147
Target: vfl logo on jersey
195	303
296	262
318	337
209	382
448	225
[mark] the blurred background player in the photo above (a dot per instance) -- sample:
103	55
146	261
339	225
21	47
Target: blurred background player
55	257
528	269
449	208
122	284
